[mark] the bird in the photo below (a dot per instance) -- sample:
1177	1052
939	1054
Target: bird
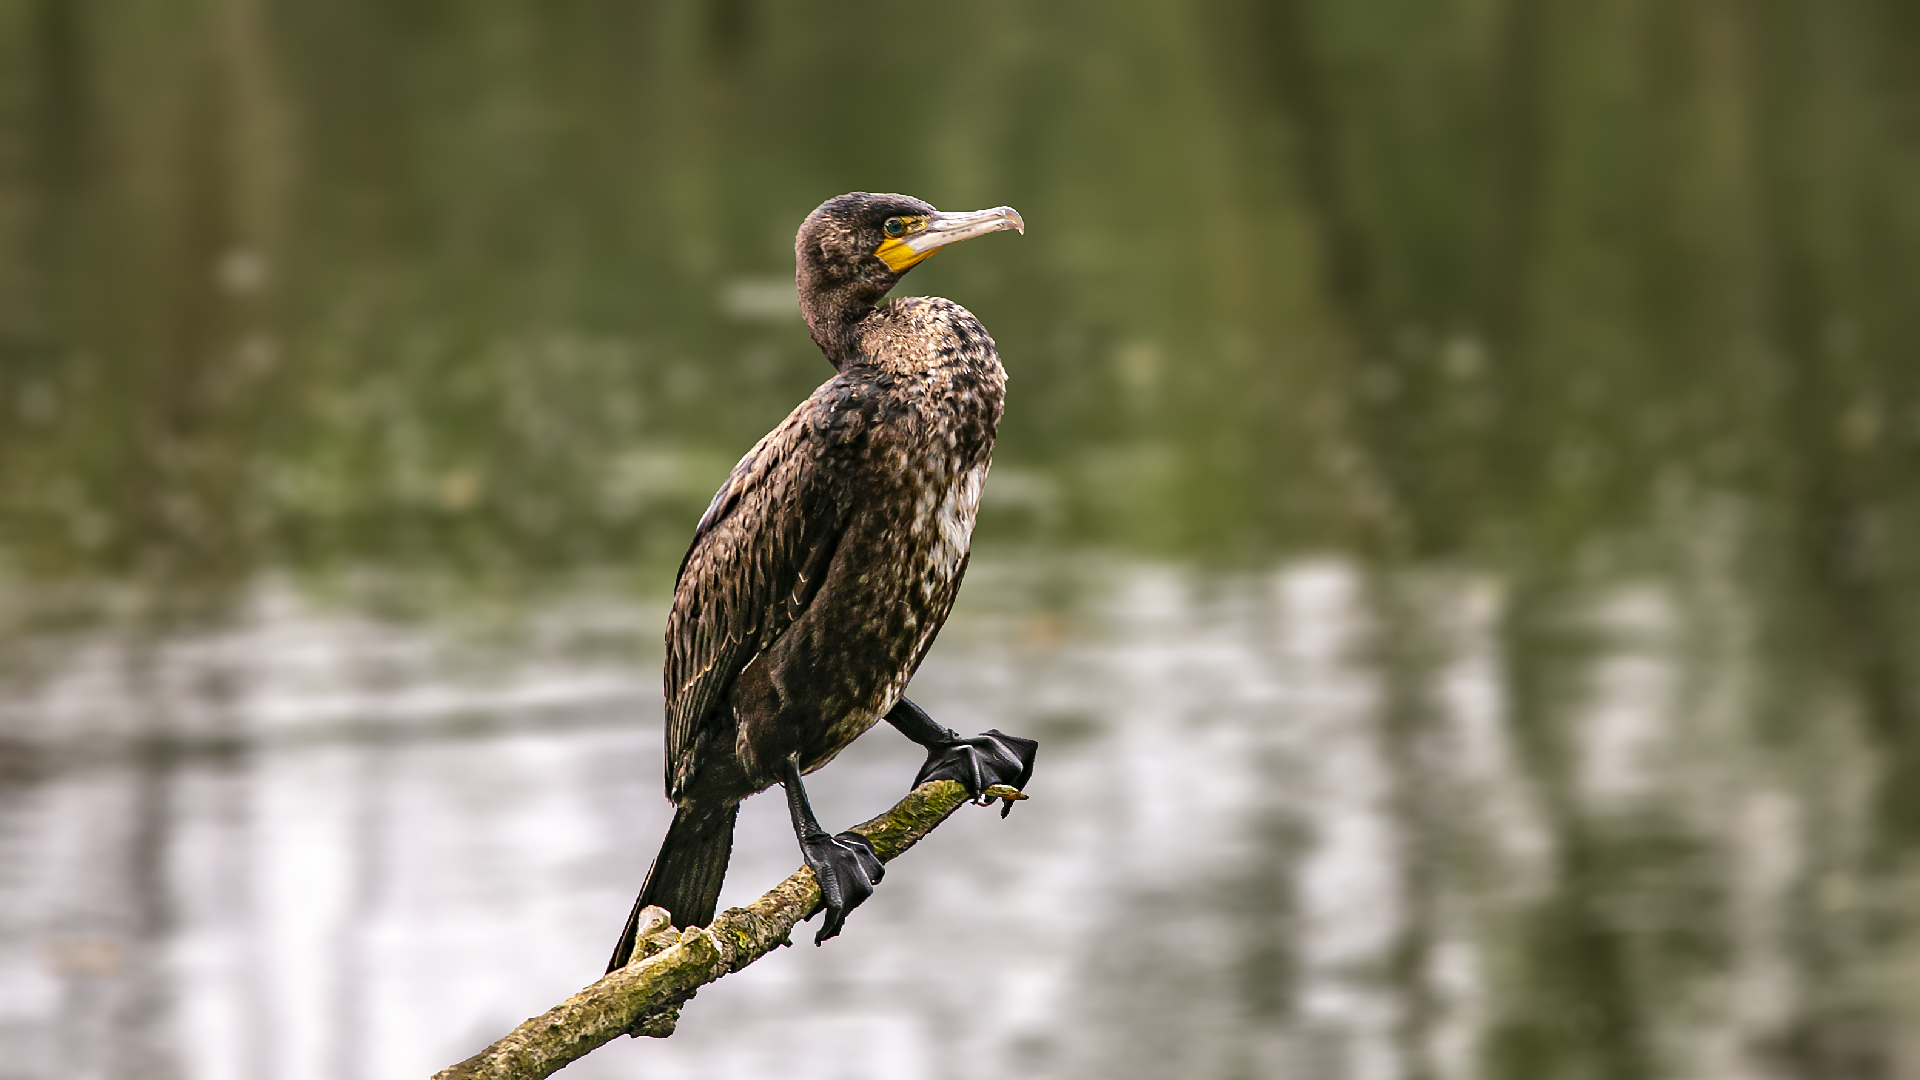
828	561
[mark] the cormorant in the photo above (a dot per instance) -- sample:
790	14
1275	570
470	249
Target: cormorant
829	559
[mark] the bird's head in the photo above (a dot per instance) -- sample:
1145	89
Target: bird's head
855	247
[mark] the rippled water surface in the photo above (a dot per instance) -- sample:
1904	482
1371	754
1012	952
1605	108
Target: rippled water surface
309	843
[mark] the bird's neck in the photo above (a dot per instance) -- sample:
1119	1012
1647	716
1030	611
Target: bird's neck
833	307
832	321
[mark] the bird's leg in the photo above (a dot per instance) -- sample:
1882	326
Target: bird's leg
846	865
977	763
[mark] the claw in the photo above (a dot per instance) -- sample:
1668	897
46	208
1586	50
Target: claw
847	868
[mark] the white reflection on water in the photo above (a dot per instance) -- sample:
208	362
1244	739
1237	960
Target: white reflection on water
313	845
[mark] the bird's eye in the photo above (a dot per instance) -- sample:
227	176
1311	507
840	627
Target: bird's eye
895	227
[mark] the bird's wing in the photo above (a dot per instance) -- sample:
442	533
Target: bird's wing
758	557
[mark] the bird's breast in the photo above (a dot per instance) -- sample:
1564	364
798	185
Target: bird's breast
943	524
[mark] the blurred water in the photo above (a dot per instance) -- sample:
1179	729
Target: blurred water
304	843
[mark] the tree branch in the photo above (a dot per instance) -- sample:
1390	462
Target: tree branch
644	998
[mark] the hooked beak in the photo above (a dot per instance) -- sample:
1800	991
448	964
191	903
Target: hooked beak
943	229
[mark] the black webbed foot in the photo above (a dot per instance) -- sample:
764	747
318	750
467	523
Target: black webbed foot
847	868
981	762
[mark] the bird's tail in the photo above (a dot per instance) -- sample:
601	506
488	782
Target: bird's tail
686	875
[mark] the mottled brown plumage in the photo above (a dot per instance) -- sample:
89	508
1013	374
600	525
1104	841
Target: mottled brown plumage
827	562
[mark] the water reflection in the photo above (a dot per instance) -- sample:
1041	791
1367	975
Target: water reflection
1301	823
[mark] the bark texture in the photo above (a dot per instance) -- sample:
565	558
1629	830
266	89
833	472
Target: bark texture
668	965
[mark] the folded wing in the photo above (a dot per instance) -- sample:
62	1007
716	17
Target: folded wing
757	560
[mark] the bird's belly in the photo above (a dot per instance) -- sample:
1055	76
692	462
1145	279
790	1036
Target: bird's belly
910	610
848	660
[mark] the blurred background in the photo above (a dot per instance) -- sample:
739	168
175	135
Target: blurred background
1453	531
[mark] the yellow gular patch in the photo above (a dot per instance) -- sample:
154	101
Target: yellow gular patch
898	256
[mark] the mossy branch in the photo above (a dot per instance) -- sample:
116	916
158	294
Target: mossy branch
644	998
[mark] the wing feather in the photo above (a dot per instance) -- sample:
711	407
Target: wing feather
757	560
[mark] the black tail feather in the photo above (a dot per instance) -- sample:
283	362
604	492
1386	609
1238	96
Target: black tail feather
686	875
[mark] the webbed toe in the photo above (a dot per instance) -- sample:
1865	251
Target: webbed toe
847	868
981	762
